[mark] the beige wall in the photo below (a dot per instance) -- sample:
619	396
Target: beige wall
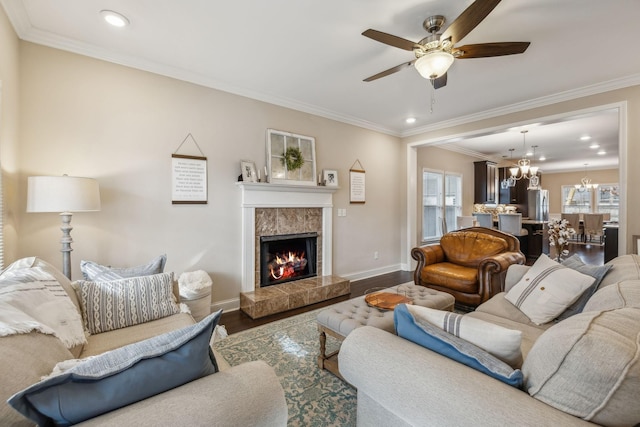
630	97
447	161
9	119
554	182
87	117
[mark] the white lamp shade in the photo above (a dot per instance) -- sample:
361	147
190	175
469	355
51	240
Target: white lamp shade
62	194
434	64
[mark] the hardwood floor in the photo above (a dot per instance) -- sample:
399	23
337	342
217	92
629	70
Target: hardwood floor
236	321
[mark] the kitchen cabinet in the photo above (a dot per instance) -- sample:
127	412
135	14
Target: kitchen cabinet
610	242
513	195
485	182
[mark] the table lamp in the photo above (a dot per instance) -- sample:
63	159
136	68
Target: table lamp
63	194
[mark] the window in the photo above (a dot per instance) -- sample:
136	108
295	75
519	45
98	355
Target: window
608	200
603	199
575	201
441	198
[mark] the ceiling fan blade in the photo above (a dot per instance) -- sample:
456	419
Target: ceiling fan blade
390	71
389	39
484	50
440	81
469	19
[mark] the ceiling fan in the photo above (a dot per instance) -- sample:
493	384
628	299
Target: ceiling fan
436	53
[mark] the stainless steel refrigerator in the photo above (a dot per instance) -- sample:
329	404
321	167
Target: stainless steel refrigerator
538	206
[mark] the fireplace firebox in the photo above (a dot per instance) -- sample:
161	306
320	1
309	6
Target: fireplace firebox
287	257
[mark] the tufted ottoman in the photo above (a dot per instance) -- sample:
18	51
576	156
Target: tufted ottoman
340	319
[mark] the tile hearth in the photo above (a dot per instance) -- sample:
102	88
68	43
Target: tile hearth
286	296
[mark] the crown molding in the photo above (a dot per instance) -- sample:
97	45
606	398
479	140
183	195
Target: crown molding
568	95
19	18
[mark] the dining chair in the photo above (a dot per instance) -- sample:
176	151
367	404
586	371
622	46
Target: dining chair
594	226
512	224
484	219
574	221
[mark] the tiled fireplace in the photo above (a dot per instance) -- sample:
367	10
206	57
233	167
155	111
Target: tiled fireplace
273	212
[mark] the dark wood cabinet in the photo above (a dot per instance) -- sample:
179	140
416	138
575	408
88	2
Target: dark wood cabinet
610	242
513	195
485	182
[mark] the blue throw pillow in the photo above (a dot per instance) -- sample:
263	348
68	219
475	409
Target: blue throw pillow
596	271
95	272
120	377
446	344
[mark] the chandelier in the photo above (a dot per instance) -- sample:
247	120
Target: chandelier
524	169
585	183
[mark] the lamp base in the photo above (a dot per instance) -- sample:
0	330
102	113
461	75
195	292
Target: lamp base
66	243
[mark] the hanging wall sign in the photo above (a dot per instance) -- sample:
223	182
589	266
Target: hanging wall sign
356	184
188	178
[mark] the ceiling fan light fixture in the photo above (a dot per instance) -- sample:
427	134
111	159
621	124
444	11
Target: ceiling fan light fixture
434	64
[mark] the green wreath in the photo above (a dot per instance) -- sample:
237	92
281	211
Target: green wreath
293	158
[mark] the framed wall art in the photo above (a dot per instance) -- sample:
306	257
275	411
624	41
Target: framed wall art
330	177
357	184
249	172
291	158
188	179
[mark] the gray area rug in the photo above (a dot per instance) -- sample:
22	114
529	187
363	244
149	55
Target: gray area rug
314	396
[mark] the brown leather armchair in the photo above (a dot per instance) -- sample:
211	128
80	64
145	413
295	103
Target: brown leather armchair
470	264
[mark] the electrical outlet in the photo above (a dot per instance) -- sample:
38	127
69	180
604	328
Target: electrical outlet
375	255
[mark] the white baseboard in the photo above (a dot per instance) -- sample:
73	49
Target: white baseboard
232	304
371	273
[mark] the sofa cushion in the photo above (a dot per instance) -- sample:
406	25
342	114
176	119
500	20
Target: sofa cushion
500	342
619	295
547	289
598	272
452	276
111	340
426	335
25	359
624	267
468	248
120	303
95	272
589	366
121	377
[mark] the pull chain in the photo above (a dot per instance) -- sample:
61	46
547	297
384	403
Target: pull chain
433	95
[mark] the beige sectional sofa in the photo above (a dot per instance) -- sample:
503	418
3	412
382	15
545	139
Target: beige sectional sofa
249	394
582	370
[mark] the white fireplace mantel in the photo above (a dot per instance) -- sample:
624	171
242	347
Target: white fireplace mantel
263	195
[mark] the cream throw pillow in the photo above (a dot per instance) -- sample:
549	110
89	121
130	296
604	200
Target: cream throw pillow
107	306
498	341
547	289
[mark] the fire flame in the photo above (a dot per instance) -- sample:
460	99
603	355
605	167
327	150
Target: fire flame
287	265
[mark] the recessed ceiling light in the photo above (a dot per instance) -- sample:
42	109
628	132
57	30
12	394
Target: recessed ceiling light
594	146
585	138
542	158
410	120
114	18
601	153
